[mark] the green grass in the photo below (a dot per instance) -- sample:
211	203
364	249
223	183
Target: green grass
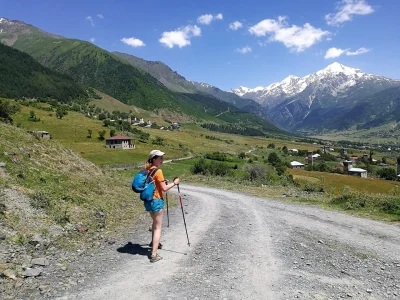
69	189
335	183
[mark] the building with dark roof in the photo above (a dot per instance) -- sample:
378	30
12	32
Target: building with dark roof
120	142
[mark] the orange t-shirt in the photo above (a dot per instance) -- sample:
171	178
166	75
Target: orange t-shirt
158	178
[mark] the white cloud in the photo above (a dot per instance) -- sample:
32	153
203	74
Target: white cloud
361	50
100	16
336	52
207	19
235	25
92	40
180	37
133	42
293	37
90	19
346	9
244	50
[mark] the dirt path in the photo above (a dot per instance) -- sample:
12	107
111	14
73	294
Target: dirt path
250	248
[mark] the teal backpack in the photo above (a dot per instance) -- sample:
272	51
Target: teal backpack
144	184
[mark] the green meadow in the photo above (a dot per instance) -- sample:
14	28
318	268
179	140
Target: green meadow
191	140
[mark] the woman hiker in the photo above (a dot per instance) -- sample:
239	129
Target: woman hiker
156	206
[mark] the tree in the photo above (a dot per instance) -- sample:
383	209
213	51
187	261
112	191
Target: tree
7	109
158	141
32	117
273	158
112	132
271	146
101	135
106	122
387	173
90	133
61	112
285	149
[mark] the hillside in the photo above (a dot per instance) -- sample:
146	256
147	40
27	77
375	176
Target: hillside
177	83
22	76
161	72
56	187
376	110
104	71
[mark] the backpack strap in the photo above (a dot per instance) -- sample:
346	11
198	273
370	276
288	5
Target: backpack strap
152	172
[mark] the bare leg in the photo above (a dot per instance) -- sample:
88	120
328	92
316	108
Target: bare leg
156	234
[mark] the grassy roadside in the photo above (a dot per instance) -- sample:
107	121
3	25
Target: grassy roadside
60	189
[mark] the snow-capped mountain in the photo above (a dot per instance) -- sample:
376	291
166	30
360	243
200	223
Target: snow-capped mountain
335	78
295	101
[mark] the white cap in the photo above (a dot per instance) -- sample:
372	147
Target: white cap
155	153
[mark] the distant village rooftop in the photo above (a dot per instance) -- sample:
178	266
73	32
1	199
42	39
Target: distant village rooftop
357	170
119	137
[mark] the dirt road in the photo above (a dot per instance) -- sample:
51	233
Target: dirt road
251	248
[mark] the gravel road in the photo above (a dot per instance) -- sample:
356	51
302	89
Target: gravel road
245	247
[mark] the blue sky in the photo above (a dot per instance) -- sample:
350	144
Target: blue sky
228	44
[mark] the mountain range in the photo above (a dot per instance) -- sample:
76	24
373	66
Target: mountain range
91	66
319	101
337	97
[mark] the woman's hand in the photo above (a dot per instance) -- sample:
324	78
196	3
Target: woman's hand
176	180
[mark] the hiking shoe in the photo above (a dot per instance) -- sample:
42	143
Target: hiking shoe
155	258
159	245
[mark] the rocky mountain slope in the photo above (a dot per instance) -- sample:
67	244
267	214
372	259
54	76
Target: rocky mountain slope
307	102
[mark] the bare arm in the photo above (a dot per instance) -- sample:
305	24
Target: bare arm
167	186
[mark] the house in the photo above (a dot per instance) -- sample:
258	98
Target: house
316	156
40	134
296	165
120	142
358	171
293	150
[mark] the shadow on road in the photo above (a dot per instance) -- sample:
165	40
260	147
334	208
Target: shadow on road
134	249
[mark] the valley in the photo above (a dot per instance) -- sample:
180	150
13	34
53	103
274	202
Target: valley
290	190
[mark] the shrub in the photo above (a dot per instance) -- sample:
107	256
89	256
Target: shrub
350	200
387	173
273	158
213	168
217	156
158	141
199	167
40	199
257	172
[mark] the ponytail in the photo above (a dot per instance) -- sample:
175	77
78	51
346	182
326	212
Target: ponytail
147	165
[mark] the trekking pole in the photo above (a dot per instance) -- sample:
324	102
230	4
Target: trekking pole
183	214
166	198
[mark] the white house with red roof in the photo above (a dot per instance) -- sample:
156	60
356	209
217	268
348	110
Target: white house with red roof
120	142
